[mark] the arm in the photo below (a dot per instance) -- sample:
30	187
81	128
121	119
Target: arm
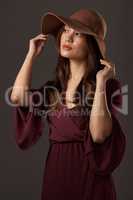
28	124
100	119
106	156
23	79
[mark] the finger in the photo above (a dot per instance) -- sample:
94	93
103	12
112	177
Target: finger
105	61
108	62
40	36
43	35
110	70
110	65
42	39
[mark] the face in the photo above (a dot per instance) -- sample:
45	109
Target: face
73	44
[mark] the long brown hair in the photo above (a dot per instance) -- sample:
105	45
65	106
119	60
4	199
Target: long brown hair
62	73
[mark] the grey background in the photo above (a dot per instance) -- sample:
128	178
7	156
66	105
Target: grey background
21	171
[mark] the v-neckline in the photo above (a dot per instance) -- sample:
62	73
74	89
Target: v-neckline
65	97
67	108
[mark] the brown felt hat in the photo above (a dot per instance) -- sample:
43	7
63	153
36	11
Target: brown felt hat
87	21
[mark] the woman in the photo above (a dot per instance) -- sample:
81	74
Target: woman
86	140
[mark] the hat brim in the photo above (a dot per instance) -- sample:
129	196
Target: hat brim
51	23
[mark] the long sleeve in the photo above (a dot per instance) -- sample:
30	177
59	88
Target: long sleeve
29	122
106	157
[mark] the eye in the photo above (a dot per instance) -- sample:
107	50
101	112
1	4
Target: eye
78	34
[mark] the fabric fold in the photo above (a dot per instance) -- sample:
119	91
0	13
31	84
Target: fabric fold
29	122
106	157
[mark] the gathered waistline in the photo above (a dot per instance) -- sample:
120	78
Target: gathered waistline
67	141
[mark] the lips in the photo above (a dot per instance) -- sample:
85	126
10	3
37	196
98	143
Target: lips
65	46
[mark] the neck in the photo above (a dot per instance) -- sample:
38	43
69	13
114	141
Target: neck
77	69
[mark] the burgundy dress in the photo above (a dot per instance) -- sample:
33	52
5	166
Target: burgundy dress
76	167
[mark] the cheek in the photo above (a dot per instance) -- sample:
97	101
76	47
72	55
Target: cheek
81	48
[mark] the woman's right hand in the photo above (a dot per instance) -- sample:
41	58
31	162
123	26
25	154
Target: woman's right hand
36	44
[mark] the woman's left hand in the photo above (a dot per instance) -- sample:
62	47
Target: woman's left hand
107	72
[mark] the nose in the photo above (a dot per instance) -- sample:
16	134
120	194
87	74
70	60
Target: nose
68	39
69	36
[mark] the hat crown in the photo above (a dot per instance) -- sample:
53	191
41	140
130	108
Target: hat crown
87	21
92	19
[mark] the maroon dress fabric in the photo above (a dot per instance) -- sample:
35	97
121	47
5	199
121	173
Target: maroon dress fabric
76	167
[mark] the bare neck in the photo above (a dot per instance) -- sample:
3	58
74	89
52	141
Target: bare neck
77	69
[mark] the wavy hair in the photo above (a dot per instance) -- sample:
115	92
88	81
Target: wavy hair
62	74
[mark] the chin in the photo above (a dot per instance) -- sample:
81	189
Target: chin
71	57
66	55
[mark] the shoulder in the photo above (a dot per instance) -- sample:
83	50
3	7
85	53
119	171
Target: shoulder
113	84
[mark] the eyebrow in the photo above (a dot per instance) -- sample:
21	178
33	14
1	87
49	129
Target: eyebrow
66	26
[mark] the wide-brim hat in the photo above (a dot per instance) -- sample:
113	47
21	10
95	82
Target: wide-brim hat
87	21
